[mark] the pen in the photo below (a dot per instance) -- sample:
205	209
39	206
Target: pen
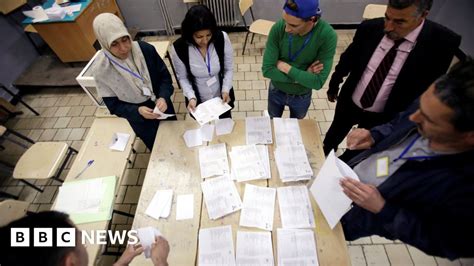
89	163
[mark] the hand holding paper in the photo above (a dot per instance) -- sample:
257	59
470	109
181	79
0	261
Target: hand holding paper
365	195
161	114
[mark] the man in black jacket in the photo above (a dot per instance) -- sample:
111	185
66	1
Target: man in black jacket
417	178
390	63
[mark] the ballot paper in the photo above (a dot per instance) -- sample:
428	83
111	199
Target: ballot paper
162	115
287	132
210	110
37	14
254	248
193	138
185	207
72	8
296	247
82	197
55	12
216	246
292	163
207	132
119	141
221	197
263	153
258	130
295	207
247	164
213	160
160	205
258	207
147	236
327	191
224	126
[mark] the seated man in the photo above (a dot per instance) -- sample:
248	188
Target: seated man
417	178
58	256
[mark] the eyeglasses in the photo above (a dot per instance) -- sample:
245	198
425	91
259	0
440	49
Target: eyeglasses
291	5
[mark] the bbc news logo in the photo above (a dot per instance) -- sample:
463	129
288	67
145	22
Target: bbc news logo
66	237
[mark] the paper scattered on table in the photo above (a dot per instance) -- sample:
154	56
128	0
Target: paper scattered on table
193	137
292	163
216	246
210	110
258	130
72	8
207	132
296	247
264	156
213	160
247	164
162	115
254	248
55	12
295	207
185	207
160	205
37	14
119	141
221	197
258	207
224	126
147	237
287	131
327	191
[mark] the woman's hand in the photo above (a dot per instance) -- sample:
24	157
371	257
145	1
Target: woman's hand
225	97
192	105
161	104
129	254
147	113
159	251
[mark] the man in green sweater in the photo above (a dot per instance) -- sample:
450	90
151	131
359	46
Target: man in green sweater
298	57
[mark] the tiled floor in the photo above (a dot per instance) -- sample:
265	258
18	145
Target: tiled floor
66	115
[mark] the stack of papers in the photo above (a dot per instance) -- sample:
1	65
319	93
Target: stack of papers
295	207
216	246
259	206
224	126
87	200
210	110
254	248
287	132
296	247
147	237
258	130
160	205
221	197
213	160
327	191
247	163
292	163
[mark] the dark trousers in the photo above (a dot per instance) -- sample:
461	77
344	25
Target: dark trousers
347	114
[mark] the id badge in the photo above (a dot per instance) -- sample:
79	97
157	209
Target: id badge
146	91
211	81
382	167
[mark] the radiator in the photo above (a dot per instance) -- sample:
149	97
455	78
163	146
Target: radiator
224	11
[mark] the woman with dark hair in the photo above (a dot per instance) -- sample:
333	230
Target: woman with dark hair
203	59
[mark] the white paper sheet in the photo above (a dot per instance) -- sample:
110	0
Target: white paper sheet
254	248
287	132
185	207
265	157
207	132
247	164
162	115
119	141
216	246
258	130
296	247
37	14
82	197
193	138
160	205
213	160
295	208
210	110
72	8
258	208
221	197
224	126
327	191
147	235
292	163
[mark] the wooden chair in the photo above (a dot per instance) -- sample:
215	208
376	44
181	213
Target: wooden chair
11	210
374	11
259	26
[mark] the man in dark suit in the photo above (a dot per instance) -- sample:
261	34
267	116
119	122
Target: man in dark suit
390	63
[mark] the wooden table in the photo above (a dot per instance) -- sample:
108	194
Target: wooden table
72	39
174	166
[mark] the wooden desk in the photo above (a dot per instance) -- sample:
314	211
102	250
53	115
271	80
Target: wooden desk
73	41
374	11
174	166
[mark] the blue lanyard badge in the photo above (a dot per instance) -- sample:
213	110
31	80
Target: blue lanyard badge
208	63
407	149
292	57
125	68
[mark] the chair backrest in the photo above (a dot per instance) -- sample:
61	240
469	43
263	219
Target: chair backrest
11	210
244	5
7	6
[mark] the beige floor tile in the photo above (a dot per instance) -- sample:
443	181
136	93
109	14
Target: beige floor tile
77	145
253	114
375	255
324	126
317	115
329	115
49	122
238	115
446	262
467	261
249	59
258	85
141	160
251	76
252	95
244	85
256	67
139	146
260	105
320	104
243	67
44	207
239	76
380	240
239	95
48	135
62	111
246	106
62	122
121	219
132	195
47	195
88	111
75	111
77	134
362	241
264	94
88	121
130	176
62	134
357	256
50	101
420	258
398	255
35	134
74	101
86	100
76	121
141	177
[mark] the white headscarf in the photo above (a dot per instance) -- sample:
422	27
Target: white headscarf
111	79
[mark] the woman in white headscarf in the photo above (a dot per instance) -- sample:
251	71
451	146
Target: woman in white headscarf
131	78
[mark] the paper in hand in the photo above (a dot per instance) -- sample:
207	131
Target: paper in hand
147	237
162	115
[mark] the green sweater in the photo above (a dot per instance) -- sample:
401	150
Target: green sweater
321	46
